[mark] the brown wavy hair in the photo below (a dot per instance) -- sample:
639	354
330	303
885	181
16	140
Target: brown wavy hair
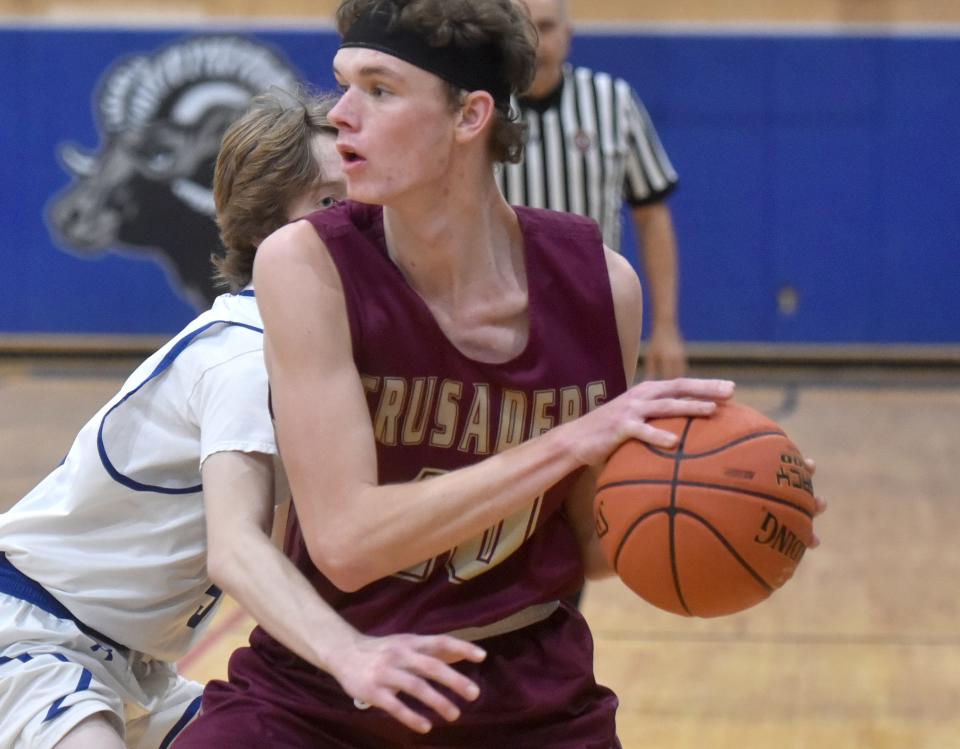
265	162
469	23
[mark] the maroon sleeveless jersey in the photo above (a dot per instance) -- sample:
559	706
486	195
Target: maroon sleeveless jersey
433	409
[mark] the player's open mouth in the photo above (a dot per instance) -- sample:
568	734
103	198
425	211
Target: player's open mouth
348	155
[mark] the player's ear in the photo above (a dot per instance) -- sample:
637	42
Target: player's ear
476	112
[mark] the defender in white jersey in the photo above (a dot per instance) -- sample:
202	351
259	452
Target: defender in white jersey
116	532
103	573
109	568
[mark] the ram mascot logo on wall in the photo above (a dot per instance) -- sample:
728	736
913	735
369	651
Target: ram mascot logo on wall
148	189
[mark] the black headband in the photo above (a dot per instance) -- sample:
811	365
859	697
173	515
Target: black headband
469	68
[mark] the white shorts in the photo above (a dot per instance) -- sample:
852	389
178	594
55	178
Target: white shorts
53	675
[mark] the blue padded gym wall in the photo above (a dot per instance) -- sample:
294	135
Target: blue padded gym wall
819	179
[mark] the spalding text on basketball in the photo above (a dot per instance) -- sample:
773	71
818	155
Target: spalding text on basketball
775	534
794	472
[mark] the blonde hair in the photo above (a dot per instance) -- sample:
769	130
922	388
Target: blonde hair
265	162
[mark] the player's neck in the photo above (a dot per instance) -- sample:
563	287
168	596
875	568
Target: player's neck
432	221
453	243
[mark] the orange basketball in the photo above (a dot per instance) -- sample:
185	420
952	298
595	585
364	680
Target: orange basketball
713	525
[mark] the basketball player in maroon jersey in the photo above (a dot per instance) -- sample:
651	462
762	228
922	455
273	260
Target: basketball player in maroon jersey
447	373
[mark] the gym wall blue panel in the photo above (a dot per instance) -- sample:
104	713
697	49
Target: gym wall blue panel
822	164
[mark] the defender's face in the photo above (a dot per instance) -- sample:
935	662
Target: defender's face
332	185
553	47
395	125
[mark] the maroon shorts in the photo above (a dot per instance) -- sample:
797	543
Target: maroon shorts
537	690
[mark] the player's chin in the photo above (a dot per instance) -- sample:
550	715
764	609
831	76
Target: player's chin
363	196
360	191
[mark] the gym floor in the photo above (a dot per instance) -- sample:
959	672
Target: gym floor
861	649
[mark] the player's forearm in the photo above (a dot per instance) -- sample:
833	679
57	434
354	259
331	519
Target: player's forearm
279	598
595	565
381	530
579	507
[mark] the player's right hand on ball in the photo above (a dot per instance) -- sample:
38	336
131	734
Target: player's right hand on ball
626	417
373	670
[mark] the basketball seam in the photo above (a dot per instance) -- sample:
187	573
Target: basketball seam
626	535
710	527
671	512
704	485
682	455
672	517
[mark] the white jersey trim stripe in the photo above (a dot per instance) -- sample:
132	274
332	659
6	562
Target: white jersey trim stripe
161	367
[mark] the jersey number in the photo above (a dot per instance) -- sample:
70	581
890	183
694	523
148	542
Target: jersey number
484	552
198	616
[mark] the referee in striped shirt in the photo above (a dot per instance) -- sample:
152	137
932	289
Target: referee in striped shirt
591	146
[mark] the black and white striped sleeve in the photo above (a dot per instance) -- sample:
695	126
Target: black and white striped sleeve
649	176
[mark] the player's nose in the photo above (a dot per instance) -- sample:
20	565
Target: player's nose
342	115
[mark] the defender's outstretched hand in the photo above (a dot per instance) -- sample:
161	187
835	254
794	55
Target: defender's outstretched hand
373	670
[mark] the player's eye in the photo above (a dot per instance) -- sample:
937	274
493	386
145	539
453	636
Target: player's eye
327	201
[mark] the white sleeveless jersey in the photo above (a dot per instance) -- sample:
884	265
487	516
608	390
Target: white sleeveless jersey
117	533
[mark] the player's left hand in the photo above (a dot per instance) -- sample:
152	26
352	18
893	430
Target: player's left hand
373	670
821	503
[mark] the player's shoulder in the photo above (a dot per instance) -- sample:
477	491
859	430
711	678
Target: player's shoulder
231	327
627	294
574	240
291	252
232	315
558	224
300	240
548	218
307	256
624	280
289	241
229	360
344	217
